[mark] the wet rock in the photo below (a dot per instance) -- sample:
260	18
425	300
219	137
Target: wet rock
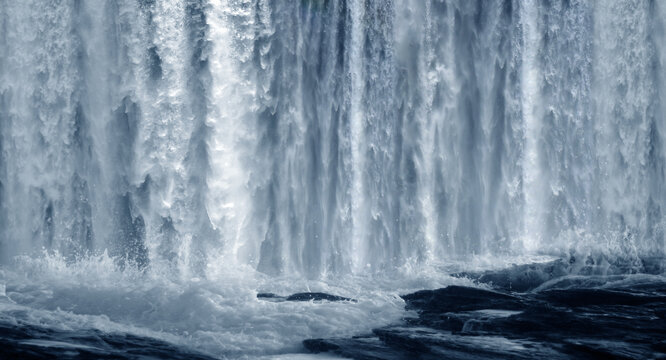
316	296
587	297
520	278
305	296
23	341
583	316
271	297
460	298
360	348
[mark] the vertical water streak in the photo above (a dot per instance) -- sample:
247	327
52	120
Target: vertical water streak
413	92
568	150
46	129
323	137
658	152
625	123
231	98
357	131
532	181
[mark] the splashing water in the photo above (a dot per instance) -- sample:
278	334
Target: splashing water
161	162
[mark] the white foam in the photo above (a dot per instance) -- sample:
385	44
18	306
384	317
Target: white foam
219	315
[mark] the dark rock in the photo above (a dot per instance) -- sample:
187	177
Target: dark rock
307	296
587	297
316	296
409	339
270	296
460	298
23	341
446	345
448	321
362	348
585	316
321	345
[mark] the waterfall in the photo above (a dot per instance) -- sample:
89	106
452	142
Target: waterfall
321	137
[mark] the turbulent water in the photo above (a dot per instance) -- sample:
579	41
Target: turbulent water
163	161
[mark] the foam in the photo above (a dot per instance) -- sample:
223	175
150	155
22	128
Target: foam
218	315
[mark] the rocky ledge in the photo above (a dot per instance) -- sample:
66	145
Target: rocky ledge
582	316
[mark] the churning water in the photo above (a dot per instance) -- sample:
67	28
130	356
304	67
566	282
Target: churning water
164	161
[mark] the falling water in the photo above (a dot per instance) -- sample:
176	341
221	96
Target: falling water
322	138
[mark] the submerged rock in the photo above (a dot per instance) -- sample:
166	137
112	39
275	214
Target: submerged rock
305	296
270	297
316	296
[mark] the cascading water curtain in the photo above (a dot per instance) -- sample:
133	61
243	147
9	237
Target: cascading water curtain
331	136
